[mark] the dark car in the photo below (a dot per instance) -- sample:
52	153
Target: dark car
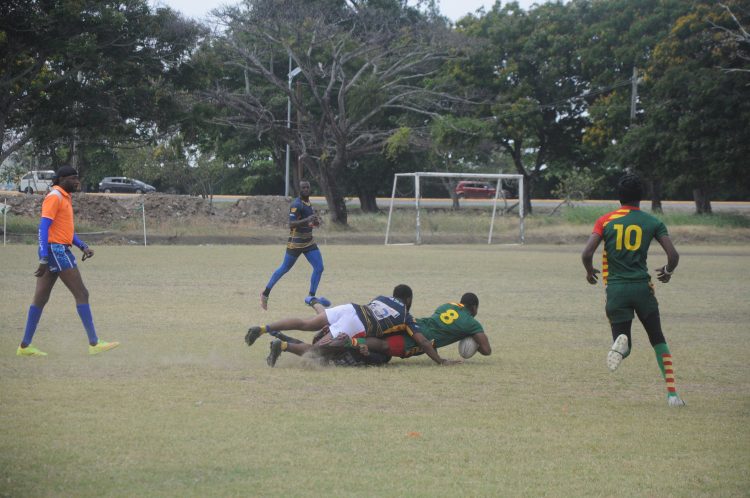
477	190
124	185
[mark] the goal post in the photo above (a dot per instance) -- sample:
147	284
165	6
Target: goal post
498	177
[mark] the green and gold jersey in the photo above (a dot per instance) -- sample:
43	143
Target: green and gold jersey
627	234
450	323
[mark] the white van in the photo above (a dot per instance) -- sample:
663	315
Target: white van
36	181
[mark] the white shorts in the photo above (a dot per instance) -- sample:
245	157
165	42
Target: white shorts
343	319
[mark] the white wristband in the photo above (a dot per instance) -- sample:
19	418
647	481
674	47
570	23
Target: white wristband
667	272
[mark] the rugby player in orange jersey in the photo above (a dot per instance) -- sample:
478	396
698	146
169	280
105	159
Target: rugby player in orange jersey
56	235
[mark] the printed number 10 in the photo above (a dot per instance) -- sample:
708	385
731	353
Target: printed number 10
632	237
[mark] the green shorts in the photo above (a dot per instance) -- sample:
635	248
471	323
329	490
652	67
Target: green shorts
624	298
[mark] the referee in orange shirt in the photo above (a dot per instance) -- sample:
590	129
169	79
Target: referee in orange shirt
56	235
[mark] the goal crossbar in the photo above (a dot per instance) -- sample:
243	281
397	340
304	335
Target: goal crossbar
483	176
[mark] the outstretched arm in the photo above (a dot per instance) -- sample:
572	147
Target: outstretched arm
430	351
664	274
587	258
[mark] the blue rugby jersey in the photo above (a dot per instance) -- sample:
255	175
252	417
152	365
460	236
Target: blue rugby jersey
386	315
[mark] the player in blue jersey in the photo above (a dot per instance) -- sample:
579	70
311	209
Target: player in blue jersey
349	325
302	220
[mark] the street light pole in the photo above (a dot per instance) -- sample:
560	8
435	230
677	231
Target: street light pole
290	75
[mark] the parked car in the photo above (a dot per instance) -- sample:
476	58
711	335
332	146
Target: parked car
477	190
36	181
125	185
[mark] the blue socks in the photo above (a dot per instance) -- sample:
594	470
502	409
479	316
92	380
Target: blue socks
84	311
35	313
31	322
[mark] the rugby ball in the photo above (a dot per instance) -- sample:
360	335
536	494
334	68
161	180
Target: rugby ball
467	347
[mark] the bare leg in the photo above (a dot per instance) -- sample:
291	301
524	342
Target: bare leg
377	345
43	289
73	281
311	324
326	346
299	349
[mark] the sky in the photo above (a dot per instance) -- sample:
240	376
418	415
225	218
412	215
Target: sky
453	9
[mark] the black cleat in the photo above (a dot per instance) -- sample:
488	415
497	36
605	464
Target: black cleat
275	352
252	335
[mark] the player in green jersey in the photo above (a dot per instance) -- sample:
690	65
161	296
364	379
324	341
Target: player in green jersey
448	324
627	234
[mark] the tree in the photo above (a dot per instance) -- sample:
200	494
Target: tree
459	143
699	109
361	65
617	36
81	73
530	69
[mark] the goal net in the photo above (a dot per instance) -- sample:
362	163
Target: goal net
422	203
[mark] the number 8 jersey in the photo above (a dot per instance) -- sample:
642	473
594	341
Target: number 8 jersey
450	323
627	234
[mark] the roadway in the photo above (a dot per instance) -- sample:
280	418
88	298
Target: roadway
542	204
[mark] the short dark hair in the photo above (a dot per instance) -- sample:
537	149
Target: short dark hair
629	188
470	299
402	292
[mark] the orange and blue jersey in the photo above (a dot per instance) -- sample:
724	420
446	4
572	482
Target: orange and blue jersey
58	207
386	315
300	238
56	226
627	233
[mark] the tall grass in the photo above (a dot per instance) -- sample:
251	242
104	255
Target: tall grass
587	215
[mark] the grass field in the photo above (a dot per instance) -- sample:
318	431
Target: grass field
184	408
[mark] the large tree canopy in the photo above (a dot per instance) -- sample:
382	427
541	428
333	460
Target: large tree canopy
89	72
361	89
360	66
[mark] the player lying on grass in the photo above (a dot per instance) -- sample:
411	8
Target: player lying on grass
383	316
627	234
449	323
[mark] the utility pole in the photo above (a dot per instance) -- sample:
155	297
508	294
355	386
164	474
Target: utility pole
633	93
290	77
654	183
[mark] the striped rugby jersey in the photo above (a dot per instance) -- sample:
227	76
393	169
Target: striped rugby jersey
627	233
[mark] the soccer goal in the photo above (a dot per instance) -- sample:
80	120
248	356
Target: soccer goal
493	181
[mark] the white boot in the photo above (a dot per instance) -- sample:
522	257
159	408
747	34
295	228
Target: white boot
617	352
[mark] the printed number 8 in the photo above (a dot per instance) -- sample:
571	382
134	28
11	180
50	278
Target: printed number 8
449	317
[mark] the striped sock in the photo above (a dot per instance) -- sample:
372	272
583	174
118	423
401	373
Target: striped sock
664	359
